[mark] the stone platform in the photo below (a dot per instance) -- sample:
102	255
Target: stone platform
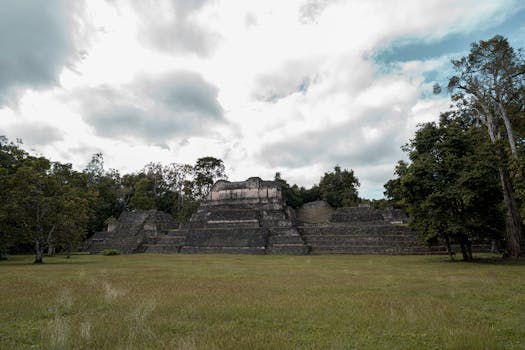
360	230
132	231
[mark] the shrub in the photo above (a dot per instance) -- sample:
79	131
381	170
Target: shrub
110	252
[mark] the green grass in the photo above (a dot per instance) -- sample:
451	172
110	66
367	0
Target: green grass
261	302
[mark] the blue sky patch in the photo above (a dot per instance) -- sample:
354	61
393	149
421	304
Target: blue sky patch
411	49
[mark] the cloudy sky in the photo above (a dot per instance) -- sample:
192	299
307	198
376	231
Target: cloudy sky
295	86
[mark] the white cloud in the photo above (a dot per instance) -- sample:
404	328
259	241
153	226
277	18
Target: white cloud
277	85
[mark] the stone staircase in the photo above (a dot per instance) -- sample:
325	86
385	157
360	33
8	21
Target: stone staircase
132	232
356	238
243	229
170	242
360	230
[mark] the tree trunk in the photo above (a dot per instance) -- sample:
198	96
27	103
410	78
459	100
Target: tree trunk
513	231
39	253
469	249
513	219
463	250
510	132
449	249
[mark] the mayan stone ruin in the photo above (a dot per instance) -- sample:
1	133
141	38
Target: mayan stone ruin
359	230
250	217
132	231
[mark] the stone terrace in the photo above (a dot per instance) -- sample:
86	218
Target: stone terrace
360	230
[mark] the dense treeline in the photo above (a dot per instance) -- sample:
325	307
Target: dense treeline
465	179
47	205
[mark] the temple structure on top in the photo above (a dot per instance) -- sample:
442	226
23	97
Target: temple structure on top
252	191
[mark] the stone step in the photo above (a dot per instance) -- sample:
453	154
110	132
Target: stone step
369	250
273	240
232	215
368	231
299	249
222	224
359	238
223	250
161	248
234	238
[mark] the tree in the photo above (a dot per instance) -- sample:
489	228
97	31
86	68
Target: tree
108	200
206	171
393	188
291	194
450	189
490	85
48	204
73	206
310	194
10	157
339	188
143	194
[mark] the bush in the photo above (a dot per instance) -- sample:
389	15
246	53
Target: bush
110	252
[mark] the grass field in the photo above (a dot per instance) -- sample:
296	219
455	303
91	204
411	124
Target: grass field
261	302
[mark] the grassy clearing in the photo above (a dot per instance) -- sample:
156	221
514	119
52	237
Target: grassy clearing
261	302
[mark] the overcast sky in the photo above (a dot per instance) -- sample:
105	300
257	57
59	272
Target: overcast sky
294	86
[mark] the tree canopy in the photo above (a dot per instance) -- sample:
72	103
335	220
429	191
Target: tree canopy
339	187
48	205
465	177
450	188
489	85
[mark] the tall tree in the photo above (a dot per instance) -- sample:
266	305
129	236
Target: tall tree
450	189
47	204
291	194
109	198
490	84
339	188
393	188
207	170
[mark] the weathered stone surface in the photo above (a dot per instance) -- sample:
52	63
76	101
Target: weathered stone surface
357	214
315	212
243	217
132	231
356	230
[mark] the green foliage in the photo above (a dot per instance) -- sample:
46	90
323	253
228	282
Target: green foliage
143	195
291	194
393	188
187	208
489	85
450	189
339	188
173	188
207	170
110	252
310	195
44	203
